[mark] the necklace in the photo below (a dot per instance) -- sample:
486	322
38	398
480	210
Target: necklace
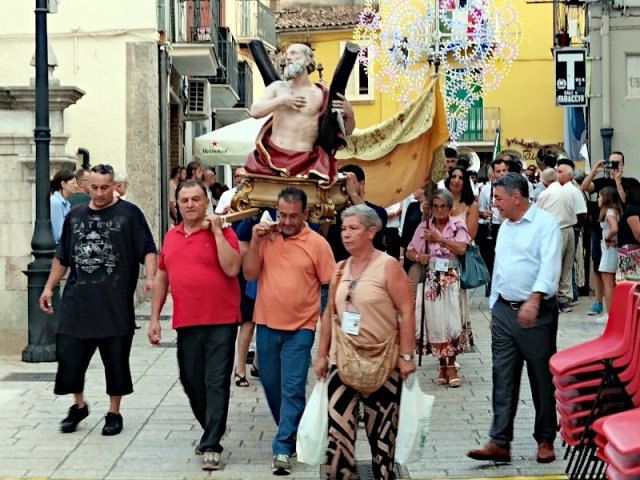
365	264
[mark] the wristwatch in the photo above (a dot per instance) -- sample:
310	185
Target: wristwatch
407	357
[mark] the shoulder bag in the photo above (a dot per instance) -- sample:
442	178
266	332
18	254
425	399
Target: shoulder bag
473	270
363	367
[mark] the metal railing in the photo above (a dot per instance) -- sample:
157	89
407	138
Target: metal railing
481	124
228	57
245	85
254	20
200	20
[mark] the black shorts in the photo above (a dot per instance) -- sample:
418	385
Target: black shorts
74	355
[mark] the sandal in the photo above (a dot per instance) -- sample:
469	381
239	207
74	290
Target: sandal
452	375
240	380
254	371
442	378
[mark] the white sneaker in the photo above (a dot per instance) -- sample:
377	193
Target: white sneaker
603	319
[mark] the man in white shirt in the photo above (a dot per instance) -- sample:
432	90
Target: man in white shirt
224	203
565	177
524	318
559	202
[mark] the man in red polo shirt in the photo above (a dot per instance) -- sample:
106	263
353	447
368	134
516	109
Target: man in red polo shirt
290	264
200	261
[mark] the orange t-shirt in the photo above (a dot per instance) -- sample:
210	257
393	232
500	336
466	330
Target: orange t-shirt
292	271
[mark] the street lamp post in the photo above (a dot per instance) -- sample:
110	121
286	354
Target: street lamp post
41	346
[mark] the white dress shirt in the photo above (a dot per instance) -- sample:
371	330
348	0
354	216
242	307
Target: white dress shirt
485	202
528	256
225	200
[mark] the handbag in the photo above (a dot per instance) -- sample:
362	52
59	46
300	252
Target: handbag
363	367
313	432
473	270
413	422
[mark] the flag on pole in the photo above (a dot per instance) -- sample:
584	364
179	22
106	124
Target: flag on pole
496	144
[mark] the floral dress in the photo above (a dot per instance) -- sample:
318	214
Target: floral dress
443	330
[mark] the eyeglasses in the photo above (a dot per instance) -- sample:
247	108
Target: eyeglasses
440	207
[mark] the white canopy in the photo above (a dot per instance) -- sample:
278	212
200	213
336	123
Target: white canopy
228	145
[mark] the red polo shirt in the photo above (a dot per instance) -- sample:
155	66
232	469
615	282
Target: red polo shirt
202	293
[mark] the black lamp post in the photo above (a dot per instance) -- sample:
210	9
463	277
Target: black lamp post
41	346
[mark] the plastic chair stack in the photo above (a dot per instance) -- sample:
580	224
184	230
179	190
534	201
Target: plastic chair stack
597	378
618	444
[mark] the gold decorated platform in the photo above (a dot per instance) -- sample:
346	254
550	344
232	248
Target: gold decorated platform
261	191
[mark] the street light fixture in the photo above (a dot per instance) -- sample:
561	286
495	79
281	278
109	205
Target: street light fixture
41	336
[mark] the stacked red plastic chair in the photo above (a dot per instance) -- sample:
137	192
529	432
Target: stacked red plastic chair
598	378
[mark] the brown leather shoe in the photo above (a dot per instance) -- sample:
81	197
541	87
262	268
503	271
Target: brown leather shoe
491	452
546	453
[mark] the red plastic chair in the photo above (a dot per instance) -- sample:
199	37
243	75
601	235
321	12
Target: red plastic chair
612	343
622	431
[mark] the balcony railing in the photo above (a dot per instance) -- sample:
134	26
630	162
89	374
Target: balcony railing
245	85
228	57
199	19
481	124
255	21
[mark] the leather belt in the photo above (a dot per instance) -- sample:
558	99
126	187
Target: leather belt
513	305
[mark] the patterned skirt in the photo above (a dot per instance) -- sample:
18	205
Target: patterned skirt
444	330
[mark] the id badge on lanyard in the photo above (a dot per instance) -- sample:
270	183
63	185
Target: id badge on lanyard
442	264
350	323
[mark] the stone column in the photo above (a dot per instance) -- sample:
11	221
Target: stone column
17	190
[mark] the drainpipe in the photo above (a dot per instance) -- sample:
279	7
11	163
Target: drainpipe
163	139
85	158
606	131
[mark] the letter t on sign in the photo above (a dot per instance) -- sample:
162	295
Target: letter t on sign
570	59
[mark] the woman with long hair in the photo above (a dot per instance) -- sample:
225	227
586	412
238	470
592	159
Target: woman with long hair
610	213
465	205
63	184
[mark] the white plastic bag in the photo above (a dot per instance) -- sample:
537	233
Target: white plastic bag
413	424
313	431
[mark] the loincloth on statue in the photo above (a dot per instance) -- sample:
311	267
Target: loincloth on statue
270	159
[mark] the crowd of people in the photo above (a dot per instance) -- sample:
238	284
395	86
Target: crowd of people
383	283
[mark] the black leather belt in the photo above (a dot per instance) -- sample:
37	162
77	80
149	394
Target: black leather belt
513	305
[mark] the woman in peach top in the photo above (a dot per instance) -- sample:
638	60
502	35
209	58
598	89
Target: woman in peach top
374	289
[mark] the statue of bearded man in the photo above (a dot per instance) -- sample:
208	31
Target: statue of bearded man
286	145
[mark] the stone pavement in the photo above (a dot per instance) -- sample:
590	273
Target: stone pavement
160	432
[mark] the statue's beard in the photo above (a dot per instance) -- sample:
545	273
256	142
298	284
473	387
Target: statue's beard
294	69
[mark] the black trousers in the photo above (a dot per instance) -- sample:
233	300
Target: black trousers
511	346
74	355
205	359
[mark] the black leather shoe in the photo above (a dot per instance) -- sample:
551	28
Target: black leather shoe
112	424
75	416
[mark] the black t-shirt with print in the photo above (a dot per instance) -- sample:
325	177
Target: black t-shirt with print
103	250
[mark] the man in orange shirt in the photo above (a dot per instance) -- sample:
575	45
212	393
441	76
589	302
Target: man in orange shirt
291	262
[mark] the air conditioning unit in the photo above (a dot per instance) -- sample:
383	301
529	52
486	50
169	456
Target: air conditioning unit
198	99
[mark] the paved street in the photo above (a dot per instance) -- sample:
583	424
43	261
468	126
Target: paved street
160	433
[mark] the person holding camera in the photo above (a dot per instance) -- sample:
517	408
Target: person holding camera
612	170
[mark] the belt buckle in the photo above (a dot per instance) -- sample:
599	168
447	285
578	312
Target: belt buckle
515	305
